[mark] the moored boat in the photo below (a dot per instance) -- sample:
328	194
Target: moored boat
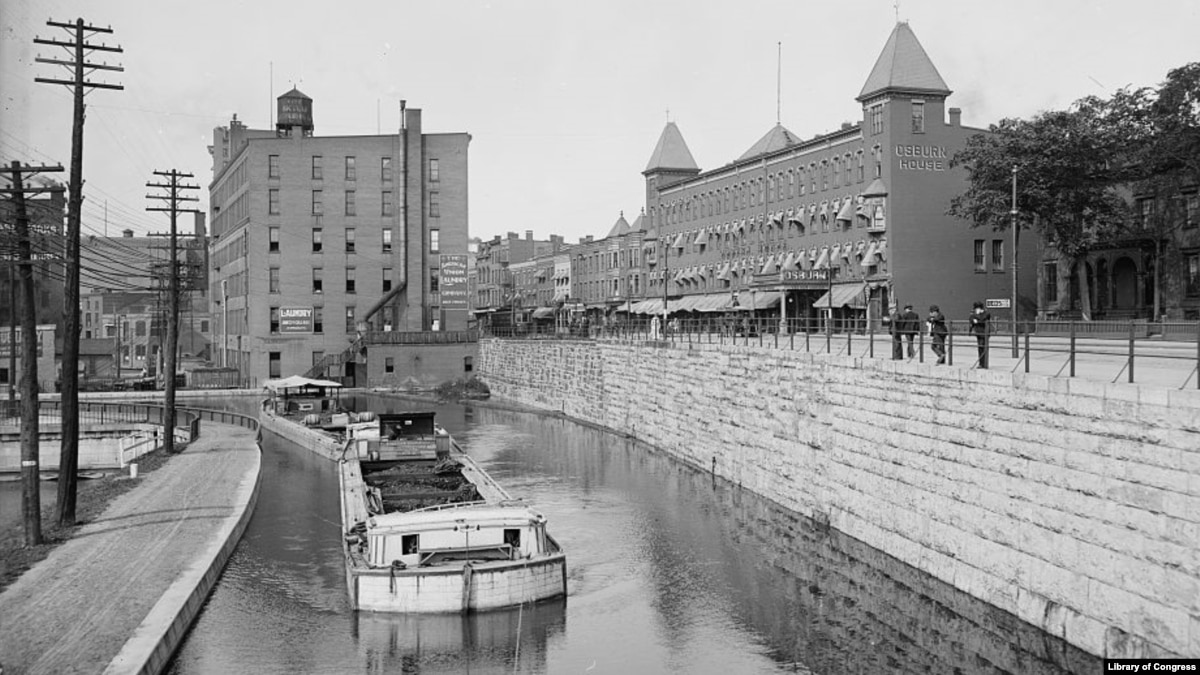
425	528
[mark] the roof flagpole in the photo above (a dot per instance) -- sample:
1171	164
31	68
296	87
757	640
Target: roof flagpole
778	82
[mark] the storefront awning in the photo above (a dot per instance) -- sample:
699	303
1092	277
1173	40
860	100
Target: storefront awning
843	295
543	312
762	299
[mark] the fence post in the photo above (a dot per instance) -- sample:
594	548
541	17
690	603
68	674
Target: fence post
920	346
1027	349
1072	347
792	341
807	345
871	340
1132	338
950	344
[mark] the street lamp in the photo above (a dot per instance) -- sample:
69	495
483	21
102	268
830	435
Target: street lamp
1015	353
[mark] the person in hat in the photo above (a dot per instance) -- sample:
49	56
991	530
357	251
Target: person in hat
937	330
980	326
910	323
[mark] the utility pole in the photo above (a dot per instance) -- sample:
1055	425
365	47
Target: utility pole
173	198
31	506
79	49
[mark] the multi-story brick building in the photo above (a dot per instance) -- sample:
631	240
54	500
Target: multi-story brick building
499	302
45	214
317	240
854	219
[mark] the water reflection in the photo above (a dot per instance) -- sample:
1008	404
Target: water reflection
668	571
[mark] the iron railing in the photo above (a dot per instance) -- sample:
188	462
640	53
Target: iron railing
1162	352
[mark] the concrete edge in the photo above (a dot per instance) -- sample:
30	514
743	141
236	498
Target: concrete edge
155	640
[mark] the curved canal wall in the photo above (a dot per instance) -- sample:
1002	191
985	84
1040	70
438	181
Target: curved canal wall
1072	504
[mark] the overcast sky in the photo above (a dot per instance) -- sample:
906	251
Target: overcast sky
564	100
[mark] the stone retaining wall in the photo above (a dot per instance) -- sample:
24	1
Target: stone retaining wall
1072	504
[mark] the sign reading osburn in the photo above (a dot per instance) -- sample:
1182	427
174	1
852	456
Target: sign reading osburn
295	319
922	157
452	281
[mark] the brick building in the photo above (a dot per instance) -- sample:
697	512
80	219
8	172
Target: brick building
853	220
318	240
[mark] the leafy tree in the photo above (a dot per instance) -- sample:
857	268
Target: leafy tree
1066	180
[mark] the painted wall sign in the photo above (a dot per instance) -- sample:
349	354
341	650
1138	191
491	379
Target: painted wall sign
452	281
922	157
295	319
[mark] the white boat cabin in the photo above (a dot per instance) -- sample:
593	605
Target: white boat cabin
443	534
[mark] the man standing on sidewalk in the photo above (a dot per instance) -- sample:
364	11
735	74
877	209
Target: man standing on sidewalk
980	327
910	323
937	330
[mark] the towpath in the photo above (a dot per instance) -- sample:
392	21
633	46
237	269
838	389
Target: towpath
119	595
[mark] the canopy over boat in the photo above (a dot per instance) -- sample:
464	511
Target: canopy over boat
298	382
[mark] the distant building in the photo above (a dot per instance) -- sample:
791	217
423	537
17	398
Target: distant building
318	240
46	213
499	299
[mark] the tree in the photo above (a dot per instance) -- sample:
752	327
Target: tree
1068	169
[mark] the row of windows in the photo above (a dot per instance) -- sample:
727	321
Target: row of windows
351	285
350	168
350	203
776	187
350	238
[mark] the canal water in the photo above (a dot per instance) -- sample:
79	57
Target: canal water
669	572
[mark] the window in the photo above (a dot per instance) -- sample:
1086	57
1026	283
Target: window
434	174
350	327
980	261
272	166
389	364
273	240
351	170
318	319
349	279
350	241
317	244
998	256
435	241
203	325
862	171
468	364
274	361
1050	276
385	169
317	356
387	203
351	206
433	281
837	171
274	320
387	279
435	207
1191	266
1191	211
410	544
877	119
825	175
139	328
273	202
317	208
387	240
317	173
918	117
273	280
318	284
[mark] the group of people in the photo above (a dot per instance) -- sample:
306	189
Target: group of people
905	326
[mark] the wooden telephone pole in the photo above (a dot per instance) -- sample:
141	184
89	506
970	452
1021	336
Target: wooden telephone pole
79	49
173	198
31	505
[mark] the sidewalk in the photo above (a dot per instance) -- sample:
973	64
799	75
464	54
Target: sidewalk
119	595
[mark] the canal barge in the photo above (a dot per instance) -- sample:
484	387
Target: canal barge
425	528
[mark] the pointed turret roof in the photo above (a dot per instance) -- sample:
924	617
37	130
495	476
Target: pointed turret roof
620	227
777	138
639	224
903	65
671	152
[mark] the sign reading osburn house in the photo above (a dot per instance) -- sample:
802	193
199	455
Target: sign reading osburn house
452	283
922	157
295	319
